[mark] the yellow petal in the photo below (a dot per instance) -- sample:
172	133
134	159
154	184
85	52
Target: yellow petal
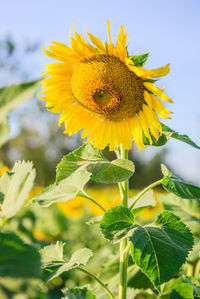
88	49
160	72
160	108
137	133
120	49
96	41
110	45
147	98
147	74
151	87
139	71
76	47
153	121
144	126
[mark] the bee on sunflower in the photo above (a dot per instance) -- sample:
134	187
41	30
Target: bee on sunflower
101	89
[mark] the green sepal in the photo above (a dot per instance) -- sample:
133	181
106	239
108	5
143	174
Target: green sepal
162	140
139	60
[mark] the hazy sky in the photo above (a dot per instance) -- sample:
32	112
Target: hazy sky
169	29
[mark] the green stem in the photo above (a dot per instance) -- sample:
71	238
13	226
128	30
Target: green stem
145	190
123	187
98	280
91	199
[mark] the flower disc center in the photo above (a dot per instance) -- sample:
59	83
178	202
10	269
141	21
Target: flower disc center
105	86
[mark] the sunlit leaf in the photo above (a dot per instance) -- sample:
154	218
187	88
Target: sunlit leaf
53	252
55	263
65	190
11	97
89	158
4	130
14	95
15	187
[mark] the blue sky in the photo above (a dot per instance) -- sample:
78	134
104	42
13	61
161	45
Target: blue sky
168	29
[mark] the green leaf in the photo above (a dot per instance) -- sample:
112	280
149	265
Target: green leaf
186	209
15	186
77	168
78	293
116	223
55	262
82	156
4	130
94	220
160	249
173	134
196	289
175	185
140	60
91	159
182	291
53	252
14	95
111	172
65	190
168	133
181	288
18	259
137	279
1	197
162	140
10	98
146	201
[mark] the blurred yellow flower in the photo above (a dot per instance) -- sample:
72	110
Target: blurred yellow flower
150	213
35	191
73	208
4	169
107	197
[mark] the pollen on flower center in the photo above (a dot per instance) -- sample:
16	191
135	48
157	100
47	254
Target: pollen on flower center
104	85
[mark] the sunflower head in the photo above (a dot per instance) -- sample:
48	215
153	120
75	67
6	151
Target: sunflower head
104	91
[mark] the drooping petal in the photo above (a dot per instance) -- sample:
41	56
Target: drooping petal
110	45
160	108
151	87
96	41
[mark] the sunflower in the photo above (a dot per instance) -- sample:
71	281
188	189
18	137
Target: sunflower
101	89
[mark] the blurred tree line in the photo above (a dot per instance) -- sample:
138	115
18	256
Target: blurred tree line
35	134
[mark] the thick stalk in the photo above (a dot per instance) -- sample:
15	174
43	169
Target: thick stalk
123	187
